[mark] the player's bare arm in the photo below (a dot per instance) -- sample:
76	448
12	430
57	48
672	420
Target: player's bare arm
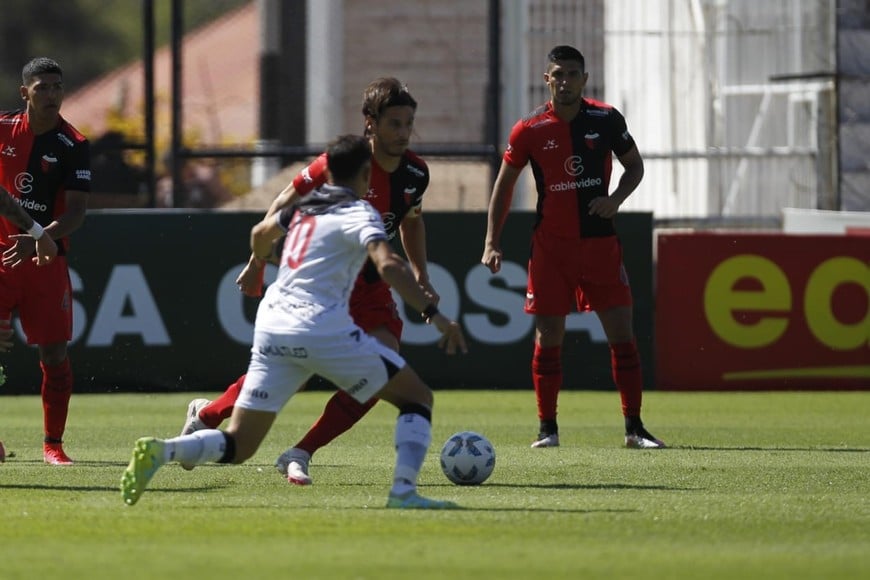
397	274
412	230
34	243
263	236
499	206
250	280
607	207
12	210
72	218
285	198
66	223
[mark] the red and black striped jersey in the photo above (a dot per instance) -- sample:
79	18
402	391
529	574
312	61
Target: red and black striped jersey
38	169
392	194
571	163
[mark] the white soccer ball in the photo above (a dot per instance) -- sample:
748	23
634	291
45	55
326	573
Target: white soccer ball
467	458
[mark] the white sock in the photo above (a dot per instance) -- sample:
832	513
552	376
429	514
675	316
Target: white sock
413	436
197	448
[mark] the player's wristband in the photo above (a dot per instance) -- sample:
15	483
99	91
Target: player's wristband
36	231
429	312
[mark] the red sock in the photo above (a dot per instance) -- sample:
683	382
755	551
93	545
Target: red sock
57	384
625	365
340	414
547	379
222	407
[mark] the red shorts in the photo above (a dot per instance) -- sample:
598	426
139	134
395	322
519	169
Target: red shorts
43	297
588	271
372	306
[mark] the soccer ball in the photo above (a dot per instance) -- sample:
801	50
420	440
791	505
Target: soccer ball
467	458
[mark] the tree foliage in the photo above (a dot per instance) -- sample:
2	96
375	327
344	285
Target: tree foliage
87	37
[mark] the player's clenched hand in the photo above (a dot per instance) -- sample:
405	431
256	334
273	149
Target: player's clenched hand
491	258
605	207
451	334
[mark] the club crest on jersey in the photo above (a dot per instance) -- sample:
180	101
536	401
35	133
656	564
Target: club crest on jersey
47	162
592	140
8	151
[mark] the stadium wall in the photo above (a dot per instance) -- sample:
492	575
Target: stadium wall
156	307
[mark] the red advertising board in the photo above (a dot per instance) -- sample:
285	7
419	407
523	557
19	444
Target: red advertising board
762	311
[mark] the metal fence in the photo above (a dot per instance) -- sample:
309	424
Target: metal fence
732	102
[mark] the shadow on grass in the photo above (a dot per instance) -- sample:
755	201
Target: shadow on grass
76	463
789	449
565	486
578	486
102	488
539	510
122	464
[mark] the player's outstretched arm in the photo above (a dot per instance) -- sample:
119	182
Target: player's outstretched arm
397	274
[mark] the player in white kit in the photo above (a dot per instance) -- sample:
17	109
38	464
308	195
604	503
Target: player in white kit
304	327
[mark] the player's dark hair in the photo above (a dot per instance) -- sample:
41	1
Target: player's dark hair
565	52
385	92
346	155
39	66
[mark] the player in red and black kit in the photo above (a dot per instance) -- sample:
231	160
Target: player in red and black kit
397	184
575	252
45	166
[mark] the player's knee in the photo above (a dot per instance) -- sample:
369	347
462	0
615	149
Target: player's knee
406	388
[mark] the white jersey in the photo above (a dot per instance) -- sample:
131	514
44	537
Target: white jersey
324	250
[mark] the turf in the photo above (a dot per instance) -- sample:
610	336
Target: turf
755	485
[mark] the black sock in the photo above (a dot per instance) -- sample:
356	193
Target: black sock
633	425
549	427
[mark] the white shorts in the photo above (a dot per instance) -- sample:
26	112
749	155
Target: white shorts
281	363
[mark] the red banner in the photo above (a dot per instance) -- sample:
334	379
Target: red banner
762	311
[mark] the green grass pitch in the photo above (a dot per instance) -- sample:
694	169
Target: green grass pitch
756	485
